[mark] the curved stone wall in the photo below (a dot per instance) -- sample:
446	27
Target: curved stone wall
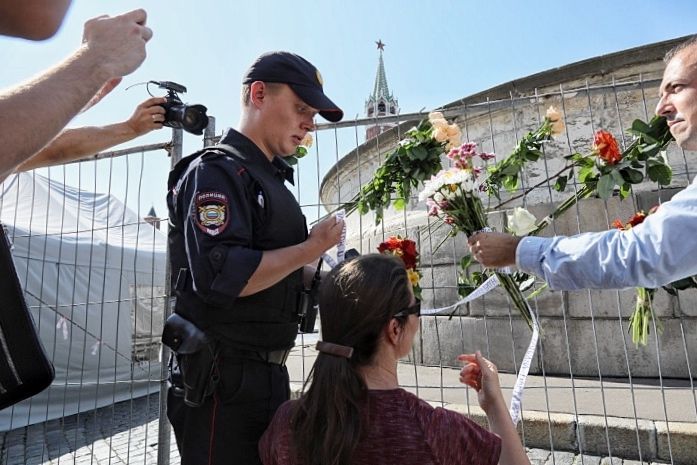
582	331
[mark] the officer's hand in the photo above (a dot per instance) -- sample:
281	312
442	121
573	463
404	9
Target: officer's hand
326	234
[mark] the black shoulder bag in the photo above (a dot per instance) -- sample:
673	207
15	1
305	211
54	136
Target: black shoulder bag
24	368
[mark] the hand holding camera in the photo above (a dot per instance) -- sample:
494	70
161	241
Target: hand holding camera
147	116
191	118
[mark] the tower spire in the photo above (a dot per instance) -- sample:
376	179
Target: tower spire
381	102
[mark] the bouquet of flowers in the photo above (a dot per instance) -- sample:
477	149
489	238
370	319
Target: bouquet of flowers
406	250
416	158
454	195
639	322
602	171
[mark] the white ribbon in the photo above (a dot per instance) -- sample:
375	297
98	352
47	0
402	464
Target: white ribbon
486	287
341	246
517	395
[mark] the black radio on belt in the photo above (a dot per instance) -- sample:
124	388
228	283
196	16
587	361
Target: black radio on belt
307	306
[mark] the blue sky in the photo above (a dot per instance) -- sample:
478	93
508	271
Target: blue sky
436	52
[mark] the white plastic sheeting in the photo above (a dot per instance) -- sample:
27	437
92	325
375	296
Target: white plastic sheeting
94	275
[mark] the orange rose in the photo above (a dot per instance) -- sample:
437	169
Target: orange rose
618	224
638	218
606	147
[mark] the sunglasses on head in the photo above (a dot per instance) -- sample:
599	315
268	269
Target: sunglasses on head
411	310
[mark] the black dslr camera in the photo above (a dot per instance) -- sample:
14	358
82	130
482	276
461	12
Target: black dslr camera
191	118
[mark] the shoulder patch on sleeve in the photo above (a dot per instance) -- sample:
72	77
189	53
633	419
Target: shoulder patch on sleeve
212	212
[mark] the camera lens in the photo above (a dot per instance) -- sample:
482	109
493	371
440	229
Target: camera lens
191	118
194	120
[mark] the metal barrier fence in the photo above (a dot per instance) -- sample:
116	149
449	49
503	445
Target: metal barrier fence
591	392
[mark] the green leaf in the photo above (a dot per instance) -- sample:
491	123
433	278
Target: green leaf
560	184
617	177
625	190
510	183
399	203
418	153
605	186
660	173
466	261
632	176
510	170
638	126
585	172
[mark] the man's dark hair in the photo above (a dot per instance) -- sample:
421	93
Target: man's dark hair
691	42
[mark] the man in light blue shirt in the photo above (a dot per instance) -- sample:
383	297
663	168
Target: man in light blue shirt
656	252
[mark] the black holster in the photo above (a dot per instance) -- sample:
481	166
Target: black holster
193	369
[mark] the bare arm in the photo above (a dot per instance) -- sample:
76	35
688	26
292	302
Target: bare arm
32	19
482	375
33	113
75	144
277	264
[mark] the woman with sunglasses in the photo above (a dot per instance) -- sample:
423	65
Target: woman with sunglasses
354	411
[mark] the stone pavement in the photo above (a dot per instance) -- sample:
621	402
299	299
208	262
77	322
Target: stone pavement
557	426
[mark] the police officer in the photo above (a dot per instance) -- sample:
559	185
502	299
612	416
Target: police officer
239	246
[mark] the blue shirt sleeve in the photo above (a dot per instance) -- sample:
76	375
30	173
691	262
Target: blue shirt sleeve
656	252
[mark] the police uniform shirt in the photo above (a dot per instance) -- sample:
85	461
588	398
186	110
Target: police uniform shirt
226	209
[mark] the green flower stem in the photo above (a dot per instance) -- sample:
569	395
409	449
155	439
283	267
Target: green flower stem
516	296
582	193
640	321
471	217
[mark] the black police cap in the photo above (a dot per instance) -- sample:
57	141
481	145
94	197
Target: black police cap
300	75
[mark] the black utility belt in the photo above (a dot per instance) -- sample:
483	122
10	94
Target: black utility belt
275	357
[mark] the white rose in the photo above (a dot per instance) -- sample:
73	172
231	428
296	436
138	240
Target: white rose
521	221
554	116
435	115
454	130
440	133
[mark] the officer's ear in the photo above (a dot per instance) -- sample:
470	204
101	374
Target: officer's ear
257	93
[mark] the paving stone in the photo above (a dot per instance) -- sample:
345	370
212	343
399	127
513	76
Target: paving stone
561	458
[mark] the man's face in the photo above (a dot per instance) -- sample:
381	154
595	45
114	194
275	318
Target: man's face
32	19
678	97
286	120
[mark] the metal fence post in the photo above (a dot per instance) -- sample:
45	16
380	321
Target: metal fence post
209	133
164	429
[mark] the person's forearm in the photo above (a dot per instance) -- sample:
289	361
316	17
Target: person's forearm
277	264
512	450
32	113
74	144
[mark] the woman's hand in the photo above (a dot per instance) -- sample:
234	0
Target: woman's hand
483	376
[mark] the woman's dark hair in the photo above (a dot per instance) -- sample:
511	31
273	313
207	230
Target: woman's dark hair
356	300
